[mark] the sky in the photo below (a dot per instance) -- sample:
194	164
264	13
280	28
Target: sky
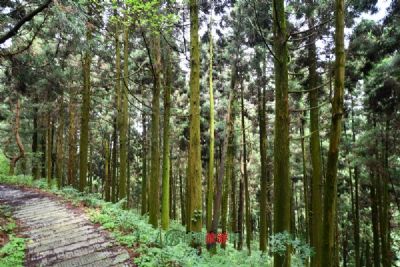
382	6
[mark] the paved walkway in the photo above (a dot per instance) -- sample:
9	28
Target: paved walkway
60	236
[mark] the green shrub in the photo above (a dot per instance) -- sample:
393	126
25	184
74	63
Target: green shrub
13	253
4	164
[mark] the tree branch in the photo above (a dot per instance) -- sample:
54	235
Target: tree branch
24	20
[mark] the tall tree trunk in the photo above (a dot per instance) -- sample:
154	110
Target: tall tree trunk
114	196
245	176
375	220
165	204
282	188
107	192
123	120
230	157
49	148
240	210
263	153
306	186
155	131
194	220
315	151
210	177
35	145
72	149
85	113
233	207
330	195
356	213
221	167
144	166
385	204
43	145
60	147
172	194
181	195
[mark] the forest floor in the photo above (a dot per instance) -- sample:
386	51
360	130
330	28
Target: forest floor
59	234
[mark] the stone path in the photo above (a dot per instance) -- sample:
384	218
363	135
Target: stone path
60	236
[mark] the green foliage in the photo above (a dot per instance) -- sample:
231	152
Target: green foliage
300	250
4	166
13	253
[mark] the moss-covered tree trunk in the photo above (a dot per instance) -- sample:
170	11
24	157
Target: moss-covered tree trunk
181	195
114	196
154	201
43	133
249	230
85	113
356	214
166	198
375	220
49	149
233	205
72	149
263	152
330	189
210	176
107	191
194	220
230	157
123	121
60	146
35	144
316	174
305	181
282	187
240	212
218	196
144	166
385	202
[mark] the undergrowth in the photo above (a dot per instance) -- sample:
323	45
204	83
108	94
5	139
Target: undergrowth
132	230
12	248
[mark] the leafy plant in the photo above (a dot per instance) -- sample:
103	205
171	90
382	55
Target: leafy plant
13	253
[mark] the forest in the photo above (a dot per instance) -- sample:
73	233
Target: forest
200	133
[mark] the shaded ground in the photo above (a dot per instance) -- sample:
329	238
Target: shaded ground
60	235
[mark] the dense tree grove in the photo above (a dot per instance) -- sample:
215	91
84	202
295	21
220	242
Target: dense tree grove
275	122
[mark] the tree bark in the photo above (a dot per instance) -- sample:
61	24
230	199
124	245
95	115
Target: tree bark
49	148
330	195
282	187
194	220
165	204
85	113
60	147
35	144
315	151
154	201
263	153
72	149
245	176
210	177
123	120
107	191
221	167
144	166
